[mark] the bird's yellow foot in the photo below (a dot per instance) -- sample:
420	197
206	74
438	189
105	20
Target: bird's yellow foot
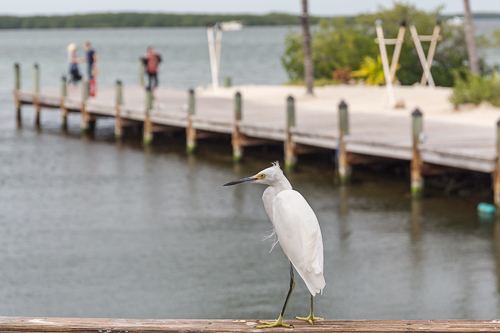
310	319
277	323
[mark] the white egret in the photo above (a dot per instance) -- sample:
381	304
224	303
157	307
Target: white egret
298	232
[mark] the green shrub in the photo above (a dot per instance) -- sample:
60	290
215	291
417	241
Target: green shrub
475	89
372	71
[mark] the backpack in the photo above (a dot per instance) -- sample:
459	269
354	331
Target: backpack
152	63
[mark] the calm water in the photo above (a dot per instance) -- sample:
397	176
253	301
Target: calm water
94	228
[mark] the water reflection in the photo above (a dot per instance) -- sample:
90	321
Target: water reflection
96	228
416	209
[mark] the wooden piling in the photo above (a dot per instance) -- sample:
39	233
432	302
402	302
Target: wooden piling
496	174
344	168
417	179
64	110
36	90
84	125
290	154
17	88
148	128
141	73
237	137
190	131
118	104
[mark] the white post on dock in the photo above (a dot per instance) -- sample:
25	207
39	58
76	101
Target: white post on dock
190	131
421	55
214	51
218	45
385	63
432	47
397	50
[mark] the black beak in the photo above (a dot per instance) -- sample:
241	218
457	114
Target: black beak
243	180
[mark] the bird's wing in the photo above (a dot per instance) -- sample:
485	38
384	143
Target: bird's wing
300	237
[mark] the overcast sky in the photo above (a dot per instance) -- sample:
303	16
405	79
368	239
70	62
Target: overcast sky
317	7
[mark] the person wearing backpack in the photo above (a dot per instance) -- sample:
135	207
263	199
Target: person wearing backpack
151	62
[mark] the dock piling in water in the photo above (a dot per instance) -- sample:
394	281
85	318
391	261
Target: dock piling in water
17	88
118	104
36	90
190	131
373	140
290	155
148	128
85	122
141	73
417	179
344	168
64	94
236	139
496	173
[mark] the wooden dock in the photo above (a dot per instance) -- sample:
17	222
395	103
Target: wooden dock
30	324
431	146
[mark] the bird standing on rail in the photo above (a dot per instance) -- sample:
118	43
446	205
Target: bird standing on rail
298	233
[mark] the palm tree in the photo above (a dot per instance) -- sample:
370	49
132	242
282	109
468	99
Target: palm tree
308	65
471	42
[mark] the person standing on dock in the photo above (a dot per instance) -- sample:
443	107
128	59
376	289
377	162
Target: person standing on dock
151	62
91	59
74	73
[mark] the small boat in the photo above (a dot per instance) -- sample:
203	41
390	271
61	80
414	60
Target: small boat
231	25
456	21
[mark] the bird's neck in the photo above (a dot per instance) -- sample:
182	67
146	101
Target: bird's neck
281	185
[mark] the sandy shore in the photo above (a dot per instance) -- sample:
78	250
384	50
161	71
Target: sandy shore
433	102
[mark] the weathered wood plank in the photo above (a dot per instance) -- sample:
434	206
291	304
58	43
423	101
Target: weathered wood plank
100	325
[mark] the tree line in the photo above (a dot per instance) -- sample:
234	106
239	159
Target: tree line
122	20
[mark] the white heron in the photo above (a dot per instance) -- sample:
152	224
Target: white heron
298	232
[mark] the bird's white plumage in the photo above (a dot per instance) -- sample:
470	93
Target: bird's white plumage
296	227
300	238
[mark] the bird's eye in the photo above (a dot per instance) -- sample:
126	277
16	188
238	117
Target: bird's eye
261	176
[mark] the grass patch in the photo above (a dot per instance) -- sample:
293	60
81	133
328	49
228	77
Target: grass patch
317	83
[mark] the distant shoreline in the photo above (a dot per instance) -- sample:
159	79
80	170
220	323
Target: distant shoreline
157	20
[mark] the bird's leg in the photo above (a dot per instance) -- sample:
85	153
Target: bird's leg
279	321
311	317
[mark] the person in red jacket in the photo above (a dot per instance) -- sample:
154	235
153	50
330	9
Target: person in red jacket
151	62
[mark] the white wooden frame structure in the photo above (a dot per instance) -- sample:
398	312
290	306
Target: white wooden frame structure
214	51
426	62
389	72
